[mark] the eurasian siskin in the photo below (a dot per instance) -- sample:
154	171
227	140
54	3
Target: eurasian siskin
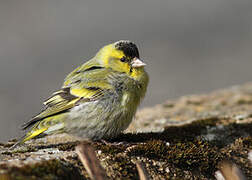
98	100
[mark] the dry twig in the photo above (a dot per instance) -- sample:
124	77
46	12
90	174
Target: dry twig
89	160
143	174
231	172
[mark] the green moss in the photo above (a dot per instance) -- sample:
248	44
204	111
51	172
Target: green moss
110	149
195	155
247	142
244	101
70	146
121	167
51	169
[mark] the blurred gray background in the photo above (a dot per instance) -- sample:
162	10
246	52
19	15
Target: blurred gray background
190	46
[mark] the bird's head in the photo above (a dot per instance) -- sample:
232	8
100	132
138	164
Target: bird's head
121	56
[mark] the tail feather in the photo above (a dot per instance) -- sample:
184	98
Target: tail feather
28	136
20	141
40	126
30	123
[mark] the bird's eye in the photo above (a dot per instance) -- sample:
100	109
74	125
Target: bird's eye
123	59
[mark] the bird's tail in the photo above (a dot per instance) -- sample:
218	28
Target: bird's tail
28	136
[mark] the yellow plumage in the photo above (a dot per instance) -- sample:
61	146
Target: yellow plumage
98	99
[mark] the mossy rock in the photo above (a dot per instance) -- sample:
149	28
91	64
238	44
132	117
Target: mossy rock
193	136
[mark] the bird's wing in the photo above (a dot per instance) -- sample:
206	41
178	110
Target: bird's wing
81	85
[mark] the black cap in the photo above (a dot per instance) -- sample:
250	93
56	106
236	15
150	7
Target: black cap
128	47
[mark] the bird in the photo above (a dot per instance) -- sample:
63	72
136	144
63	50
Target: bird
97	100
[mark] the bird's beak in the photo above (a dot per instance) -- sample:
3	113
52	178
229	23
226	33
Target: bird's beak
136	63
